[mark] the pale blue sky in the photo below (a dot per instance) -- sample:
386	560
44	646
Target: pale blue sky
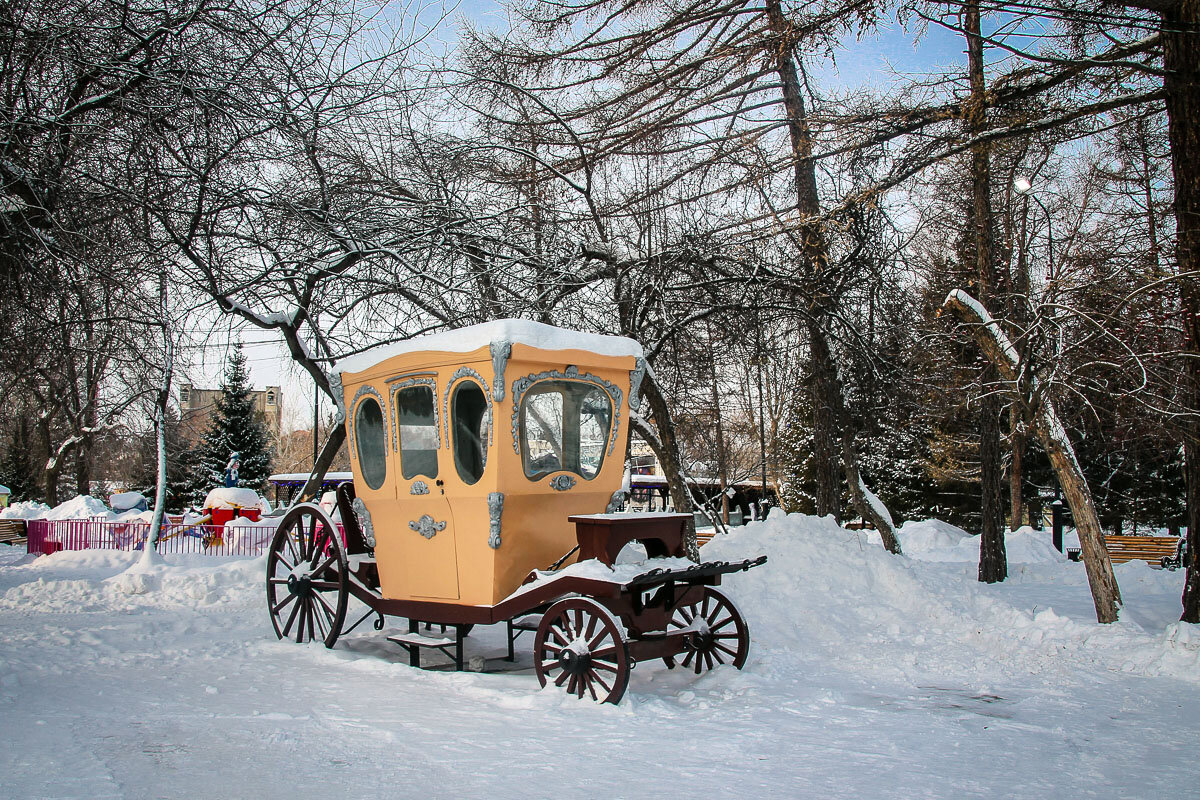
871	60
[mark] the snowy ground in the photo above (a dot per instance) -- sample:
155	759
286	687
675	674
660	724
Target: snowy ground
871	676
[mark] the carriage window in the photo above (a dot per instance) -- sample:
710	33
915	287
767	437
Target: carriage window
371	441
418	432
469	418
564	426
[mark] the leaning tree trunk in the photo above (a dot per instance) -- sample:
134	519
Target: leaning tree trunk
1053	437
1181	59
993	561
337	436
866	503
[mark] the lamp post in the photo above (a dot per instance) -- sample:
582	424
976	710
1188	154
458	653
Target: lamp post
1024	187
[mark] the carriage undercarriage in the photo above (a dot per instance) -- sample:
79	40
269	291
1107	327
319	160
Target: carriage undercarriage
589	631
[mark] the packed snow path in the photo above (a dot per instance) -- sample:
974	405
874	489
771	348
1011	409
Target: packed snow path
870	676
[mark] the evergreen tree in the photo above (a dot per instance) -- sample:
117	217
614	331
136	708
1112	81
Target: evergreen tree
179	457
235	427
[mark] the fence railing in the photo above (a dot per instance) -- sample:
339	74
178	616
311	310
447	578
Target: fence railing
231	539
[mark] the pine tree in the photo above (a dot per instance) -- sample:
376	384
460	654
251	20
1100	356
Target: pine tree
179	457
235	427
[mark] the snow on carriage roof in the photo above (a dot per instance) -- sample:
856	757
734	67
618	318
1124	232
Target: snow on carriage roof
517	331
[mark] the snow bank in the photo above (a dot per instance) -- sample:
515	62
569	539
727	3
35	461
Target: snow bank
935	540
97	580
128	501
80	507
473	337
837	594
232	498
243	535
28	509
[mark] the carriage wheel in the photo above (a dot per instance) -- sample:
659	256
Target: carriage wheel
306	577
581	647
717	634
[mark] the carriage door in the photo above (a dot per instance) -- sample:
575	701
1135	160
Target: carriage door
430	568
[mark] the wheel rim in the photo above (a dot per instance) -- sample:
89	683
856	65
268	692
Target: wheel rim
306	577
716	632
581	647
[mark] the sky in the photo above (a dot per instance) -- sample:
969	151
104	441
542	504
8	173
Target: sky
869	61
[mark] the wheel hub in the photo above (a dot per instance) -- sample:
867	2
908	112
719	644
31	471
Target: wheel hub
299	586
574	663
699	640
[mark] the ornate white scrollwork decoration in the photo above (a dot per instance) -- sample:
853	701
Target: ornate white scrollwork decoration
419	487
495	509
427	526
339	395
500	355
636	376
562	483
364	521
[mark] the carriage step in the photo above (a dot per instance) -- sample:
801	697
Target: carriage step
529	622
421	640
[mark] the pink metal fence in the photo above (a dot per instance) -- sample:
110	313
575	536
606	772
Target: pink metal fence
50	536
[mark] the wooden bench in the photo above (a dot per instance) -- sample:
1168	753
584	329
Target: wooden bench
12	531
1141	548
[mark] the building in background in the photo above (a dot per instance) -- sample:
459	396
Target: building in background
197	406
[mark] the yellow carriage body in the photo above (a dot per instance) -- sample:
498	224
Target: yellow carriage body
471	448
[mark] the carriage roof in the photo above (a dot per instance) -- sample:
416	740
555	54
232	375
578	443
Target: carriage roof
513	331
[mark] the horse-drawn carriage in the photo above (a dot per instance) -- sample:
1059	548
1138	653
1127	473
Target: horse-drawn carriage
488	464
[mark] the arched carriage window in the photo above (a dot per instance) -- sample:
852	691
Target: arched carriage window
416	419
564	427
370	440
469	418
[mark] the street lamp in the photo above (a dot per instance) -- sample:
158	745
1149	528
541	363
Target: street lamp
1024	187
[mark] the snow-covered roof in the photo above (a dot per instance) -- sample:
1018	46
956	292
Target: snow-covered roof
231	497
4	490
473	337
286	477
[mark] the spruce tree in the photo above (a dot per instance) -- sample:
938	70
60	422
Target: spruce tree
235	427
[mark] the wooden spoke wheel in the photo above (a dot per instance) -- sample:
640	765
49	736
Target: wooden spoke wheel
581	647
306	577
715	632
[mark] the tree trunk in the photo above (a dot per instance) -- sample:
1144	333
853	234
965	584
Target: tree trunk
337	437
825	388
722	460
993	562
814	249
995	345
993	559
149	552
50	470
1181	59
667	450
1016	471
83	462
865	502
